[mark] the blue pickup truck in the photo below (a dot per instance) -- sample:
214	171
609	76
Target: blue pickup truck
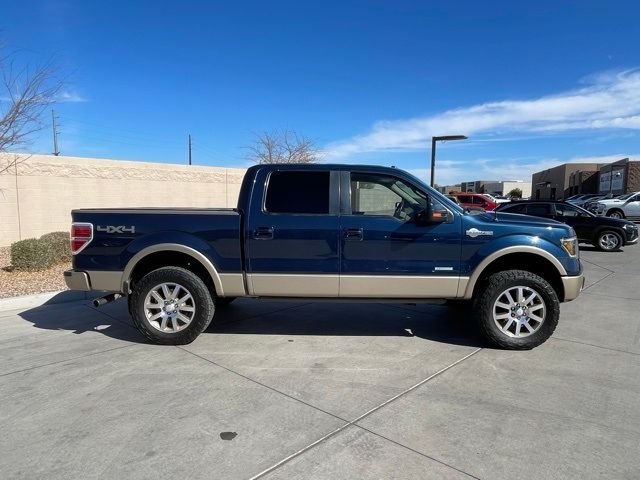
338	232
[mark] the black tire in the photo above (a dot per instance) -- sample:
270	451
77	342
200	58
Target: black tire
222	302
609	241
494	287
202	302
615	213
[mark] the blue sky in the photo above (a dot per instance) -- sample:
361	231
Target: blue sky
532	84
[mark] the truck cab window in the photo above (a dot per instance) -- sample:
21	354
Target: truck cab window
383	195
298	193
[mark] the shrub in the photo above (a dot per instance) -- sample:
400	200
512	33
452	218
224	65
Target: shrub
30	254
40	253
58	243
515	193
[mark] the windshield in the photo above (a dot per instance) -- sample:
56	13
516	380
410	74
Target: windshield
583	212
625	196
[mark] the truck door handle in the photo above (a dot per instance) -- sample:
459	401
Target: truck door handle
353	234
263	233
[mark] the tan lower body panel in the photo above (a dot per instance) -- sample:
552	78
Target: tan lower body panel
398	286
232	284
105	280
284	285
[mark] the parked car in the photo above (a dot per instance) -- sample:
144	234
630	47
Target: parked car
608	234
502	198
624	206
582	198
573	197
581	202
454	199
495	198
327	231
591	204
475	200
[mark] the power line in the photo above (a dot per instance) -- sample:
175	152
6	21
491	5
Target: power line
127	134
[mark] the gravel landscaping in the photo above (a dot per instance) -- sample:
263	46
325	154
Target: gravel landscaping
14	283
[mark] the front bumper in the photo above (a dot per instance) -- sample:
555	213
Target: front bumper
572	286
631	236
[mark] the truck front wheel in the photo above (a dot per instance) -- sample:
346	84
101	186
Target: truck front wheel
517	310
171	306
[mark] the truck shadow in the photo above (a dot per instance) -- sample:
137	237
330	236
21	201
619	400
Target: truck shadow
432	322
253	317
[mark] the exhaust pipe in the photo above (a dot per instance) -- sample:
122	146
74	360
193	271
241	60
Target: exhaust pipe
98	302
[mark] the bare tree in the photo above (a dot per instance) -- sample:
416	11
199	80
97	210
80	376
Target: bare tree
283	146
25	93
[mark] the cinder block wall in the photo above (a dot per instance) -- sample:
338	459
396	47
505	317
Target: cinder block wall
38	195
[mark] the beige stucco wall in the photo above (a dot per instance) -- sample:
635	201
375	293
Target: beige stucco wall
39	196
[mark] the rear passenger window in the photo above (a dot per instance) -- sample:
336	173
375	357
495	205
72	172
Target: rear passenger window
514	209
298	192
539	209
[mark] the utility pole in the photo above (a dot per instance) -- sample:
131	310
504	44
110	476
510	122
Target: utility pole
56	152
189	149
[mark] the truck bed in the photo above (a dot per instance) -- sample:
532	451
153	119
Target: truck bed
120	233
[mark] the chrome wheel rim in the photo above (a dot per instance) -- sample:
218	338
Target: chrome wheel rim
609	241
169	307
616	215
519	311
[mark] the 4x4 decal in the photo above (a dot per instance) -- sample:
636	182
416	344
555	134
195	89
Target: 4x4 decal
116	229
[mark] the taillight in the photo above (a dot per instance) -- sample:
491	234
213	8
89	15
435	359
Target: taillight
81	236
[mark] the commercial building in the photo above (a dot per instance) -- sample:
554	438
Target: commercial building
569	179
494	187
556	183
619	177
504	187
476	186
449	188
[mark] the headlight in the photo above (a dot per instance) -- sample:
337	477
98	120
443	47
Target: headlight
570	245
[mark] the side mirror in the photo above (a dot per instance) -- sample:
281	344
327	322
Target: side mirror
429	216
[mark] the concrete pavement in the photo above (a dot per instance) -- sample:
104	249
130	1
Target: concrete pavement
281	390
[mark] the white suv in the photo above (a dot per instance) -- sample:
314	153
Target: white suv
625	206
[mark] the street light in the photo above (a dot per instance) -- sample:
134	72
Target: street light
433	150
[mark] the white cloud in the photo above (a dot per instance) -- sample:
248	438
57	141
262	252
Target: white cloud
67	96
609	101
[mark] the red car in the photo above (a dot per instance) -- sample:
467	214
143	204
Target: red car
475	200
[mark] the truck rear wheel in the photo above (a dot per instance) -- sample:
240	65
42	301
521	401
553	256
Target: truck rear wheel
517	310
171	306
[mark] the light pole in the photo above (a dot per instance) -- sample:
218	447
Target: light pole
433	150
